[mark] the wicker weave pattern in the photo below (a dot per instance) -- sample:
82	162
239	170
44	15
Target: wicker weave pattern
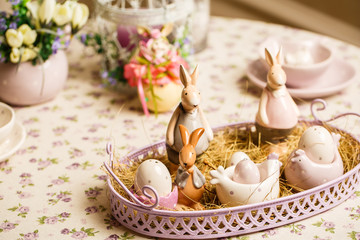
230	221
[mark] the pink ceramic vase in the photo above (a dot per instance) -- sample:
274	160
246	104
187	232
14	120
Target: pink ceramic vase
29	84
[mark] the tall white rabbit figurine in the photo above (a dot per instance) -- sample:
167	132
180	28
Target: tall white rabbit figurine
189	114
278	113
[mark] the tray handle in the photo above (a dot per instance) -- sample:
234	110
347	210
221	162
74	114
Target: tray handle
146	187
323	107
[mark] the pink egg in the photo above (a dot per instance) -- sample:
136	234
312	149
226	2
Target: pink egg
246	172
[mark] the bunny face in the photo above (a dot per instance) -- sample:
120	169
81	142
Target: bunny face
190	97
276	77
187	156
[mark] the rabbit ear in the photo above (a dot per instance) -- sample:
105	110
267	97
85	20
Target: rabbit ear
167	29
269	58
195	136
195	75
184	76
279	56
185	135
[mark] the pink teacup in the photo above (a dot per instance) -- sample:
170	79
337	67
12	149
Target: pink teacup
304	61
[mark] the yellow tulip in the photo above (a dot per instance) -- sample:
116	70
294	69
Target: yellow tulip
62	14
80	16
28	54
28	34
46	11
15	55
33	7
14	38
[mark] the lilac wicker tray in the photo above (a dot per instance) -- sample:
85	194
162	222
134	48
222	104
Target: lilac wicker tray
227	222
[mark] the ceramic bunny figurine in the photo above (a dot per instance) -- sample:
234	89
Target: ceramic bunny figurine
277	114
317	159
244	182
189	114
189	179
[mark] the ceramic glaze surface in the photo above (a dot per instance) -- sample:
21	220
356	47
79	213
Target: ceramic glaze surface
306	174
305	60
233	193
192	121
154	173
7	121
246	172
168	96
319	145
24	86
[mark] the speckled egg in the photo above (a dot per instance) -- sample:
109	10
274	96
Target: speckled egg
318	144
246	172
154	173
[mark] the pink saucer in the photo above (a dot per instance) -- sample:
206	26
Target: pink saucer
337	77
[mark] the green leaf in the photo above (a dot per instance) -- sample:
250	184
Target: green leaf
142	60
318	224
42	220
13	209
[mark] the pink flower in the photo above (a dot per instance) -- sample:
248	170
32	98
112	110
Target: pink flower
65	231
132	72
44	164
23	209
357	236
328	224
25	175
7	226
92	209
51	220
25	181
31	236
23	195
79	235
57	181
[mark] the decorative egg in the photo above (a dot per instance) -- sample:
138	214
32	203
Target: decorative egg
153	173
237	157
318	144
246	172
167	96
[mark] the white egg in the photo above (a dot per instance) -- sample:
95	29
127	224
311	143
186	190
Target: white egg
246	172
237	157
154	173
318	144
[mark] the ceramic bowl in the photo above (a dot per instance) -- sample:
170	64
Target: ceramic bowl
303	61
7	121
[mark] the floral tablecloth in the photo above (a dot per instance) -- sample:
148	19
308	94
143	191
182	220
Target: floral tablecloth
53	187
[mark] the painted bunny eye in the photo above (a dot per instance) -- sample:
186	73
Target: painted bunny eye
186	93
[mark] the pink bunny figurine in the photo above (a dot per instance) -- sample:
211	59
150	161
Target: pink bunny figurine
189	114
278	113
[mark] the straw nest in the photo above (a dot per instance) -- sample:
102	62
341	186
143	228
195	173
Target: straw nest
230	140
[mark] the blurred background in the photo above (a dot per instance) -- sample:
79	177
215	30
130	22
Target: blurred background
338	19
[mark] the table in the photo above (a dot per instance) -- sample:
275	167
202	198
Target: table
54	187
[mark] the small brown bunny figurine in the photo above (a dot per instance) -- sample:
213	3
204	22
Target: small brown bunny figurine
189	179
189	114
